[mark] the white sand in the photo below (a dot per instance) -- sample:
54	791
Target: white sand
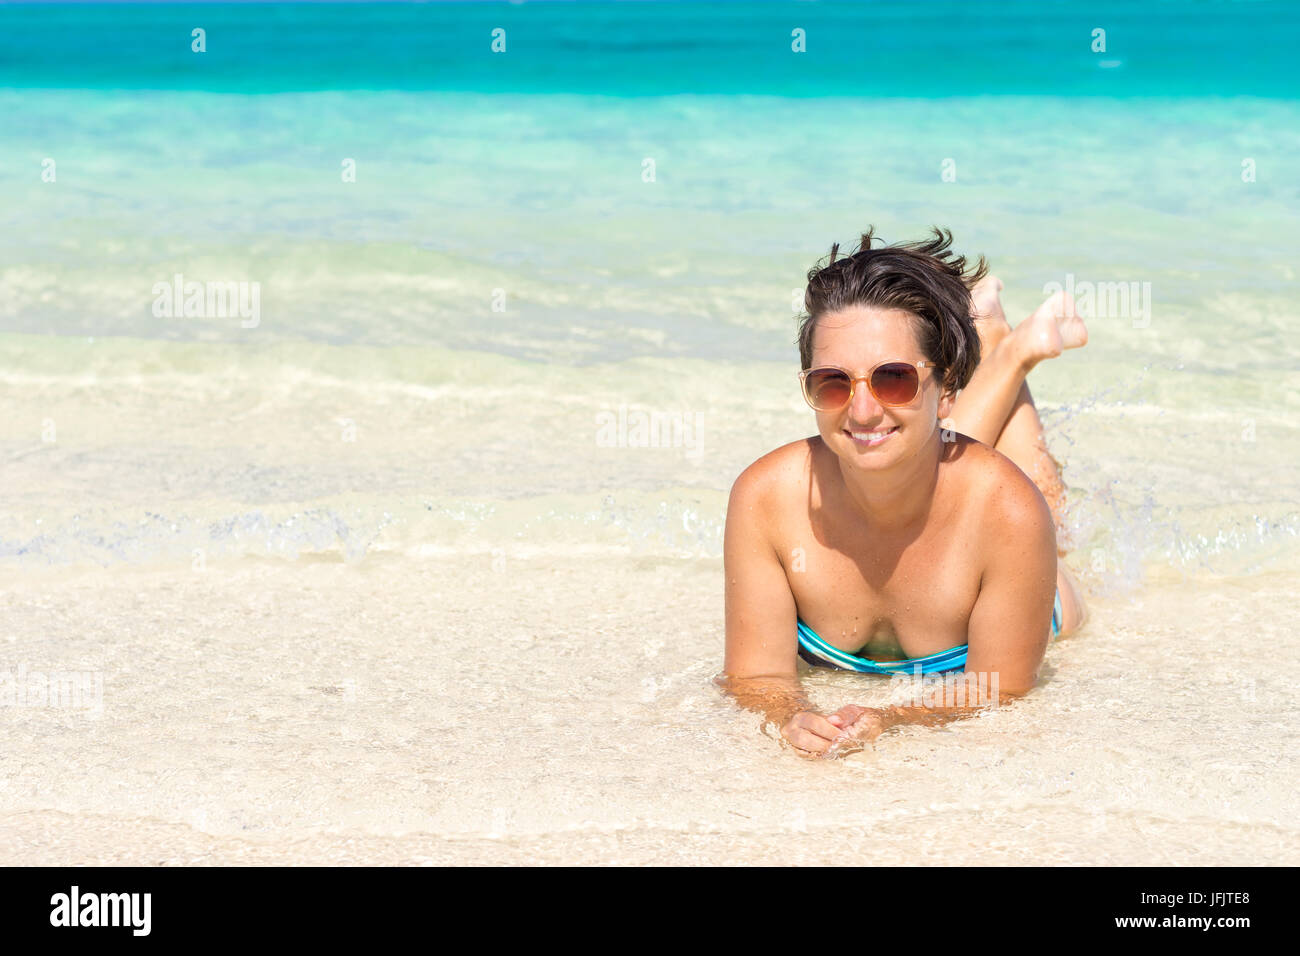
397	712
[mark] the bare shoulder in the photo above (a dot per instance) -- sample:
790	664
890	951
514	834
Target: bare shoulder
1005	497
763	482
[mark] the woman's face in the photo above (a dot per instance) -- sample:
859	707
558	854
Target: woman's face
857	339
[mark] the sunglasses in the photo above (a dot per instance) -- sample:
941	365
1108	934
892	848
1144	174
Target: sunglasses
829	389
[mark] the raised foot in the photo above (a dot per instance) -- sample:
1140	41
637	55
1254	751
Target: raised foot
986	309
1054	327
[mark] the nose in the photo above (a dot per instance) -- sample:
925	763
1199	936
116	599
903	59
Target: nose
863	406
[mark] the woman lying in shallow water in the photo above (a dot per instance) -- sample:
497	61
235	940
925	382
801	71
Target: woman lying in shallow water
917	532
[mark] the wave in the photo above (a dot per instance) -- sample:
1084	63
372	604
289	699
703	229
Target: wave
1117	547
683	523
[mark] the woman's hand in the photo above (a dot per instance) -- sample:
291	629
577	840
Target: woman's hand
848	730
864	724
812	734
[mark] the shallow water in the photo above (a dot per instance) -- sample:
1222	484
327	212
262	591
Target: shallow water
280	710
389	578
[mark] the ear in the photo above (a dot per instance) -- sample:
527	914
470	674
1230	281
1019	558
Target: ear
946	401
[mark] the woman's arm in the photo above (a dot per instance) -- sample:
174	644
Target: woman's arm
760	669
1008	627
1011	622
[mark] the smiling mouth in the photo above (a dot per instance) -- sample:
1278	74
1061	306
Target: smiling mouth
865	439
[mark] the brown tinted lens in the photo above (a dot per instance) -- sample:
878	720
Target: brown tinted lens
895	383
828	389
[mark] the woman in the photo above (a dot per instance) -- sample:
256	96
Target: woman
918	531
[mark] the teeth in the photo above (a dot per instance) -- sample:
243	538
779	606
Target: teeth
870	436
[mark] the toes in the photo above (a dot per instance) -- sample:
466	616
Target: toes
1080	336
1072	329
986	290
1058	305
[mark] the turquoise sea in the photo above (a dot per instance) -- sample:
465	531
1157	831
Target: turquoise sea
466	261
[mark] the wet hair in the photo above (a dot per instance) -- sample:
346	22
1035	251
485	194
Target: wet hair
924	278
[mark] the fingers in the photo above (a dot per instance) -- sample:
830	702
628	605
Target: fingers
866	728
840	747
819	726
847	714
811	732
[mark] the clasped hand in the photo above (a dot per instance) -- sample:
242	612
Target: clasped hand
846	731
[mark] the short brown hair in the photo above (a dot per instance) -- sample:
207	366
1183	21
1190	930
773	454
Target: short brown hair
924	278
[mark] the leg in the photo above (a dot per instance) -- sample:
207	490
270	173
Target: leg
986	404
1022	441
997	408
983	406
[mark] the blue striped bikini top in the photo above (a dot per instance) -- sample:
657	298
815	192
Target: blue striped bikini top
817	652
